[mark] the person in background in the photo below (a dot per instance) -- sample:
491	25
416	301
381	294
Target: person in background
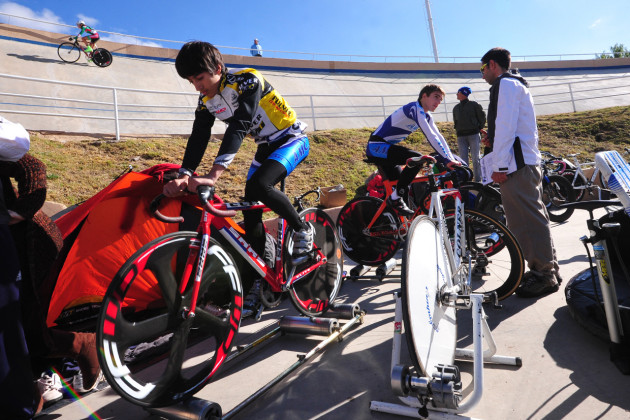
382	147
256	49
249	105
515	166
469	119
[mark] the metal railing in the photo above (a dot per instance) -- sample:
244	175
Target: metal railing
320	111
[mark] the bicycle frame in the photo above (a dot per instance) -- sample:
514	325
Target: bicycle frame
218	216
405	222
456	250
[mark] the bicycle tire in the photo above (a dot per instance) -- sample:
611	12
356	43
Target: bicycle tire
313	293
578	184
497	258
485	199
557	191
357	245
69	52
143	308
430	326
101	57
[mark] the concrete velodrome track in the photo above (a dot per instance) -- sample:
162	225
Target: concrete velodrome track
30	53
565	373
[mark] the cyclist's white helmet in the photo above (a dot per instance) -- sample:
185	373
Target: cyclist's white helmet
80	23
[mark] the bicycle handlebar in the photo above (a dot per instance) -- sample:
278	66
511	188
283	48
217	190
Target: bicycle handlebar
204	192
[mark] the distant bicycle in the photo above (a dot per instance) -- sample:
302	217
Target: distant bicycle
70	52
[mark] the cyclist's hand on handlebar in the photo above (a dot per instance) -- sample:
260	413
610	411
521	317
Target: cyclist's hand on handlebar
176	187
453	164
196	181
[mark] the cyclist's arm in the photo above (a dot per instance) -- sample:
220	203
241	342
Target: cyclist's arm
241	121
436	140
199	137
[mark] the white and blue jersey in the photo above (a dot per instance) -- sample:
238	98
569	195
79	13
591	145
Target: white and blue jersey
398	126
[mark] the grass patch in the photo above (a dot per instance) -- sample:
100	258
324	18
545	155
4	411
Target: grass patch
80	168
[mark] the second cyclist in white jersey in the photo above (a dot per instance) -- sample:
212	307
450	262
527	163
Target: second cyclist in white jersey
383	148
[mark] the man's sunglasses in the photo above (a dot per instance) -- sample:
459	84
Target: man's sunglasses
483	67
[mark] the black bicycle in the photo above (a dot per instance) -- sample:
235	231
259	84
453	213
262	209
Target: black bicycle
70	52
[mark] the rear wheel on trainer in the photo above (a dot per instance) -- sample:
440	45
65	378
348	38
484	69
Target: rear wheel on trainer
376	245
101	57
144	309
497	259
316	290
69	52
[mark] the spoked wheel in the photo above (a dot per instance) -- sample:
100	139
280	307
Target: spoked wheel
101	57
430	326
375	246
497	259
579	182
150	352
557	191
69	52
316	289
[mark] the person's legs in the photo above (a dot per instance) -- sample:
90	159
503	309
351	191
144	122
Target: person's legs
463	149
474	142
528	220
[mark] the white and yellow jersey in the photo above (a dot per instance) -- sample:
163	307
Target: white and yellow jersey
249	105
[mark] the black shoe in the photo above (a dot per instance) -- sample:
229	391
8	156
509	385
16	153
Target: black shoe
251	304
533	285
400	206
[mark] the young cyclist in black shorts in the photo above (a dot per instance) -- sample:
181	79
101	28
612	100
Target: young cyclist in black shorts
249	105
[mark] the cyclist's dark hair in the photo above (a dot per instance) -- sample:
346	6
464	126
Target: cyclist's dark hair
429	89
195	57
501	56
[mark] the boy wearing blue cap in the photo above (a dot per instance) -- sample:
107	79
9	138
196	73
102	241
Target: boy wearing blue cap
469	119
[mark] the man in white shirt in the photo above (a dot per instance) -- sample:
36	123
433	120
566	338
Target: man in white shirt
513	137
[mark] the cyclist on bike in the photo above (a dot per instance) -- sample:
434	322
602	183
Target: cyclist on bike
249	105
89	37
382	147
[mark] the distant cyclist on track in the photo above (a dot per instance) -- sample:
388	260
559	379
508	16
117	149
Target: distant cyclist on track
89	37
382	147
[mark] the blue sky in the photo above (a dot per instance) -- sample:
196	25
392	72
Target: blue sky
463	28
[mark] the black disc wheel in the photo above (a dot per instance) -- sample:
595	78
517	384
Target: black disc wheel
151	351
376	244
101	57
69	52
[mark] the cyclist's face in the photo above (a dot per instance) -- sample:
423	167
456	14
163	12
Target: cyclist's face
207	83
432	101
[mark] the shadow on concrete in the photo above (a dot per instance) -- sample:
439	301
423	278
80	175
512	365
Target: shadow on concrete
40	59
588	358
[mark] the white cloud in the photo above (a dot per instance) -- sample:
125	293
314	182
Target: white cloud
53	23
15	9
596	23
89	21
